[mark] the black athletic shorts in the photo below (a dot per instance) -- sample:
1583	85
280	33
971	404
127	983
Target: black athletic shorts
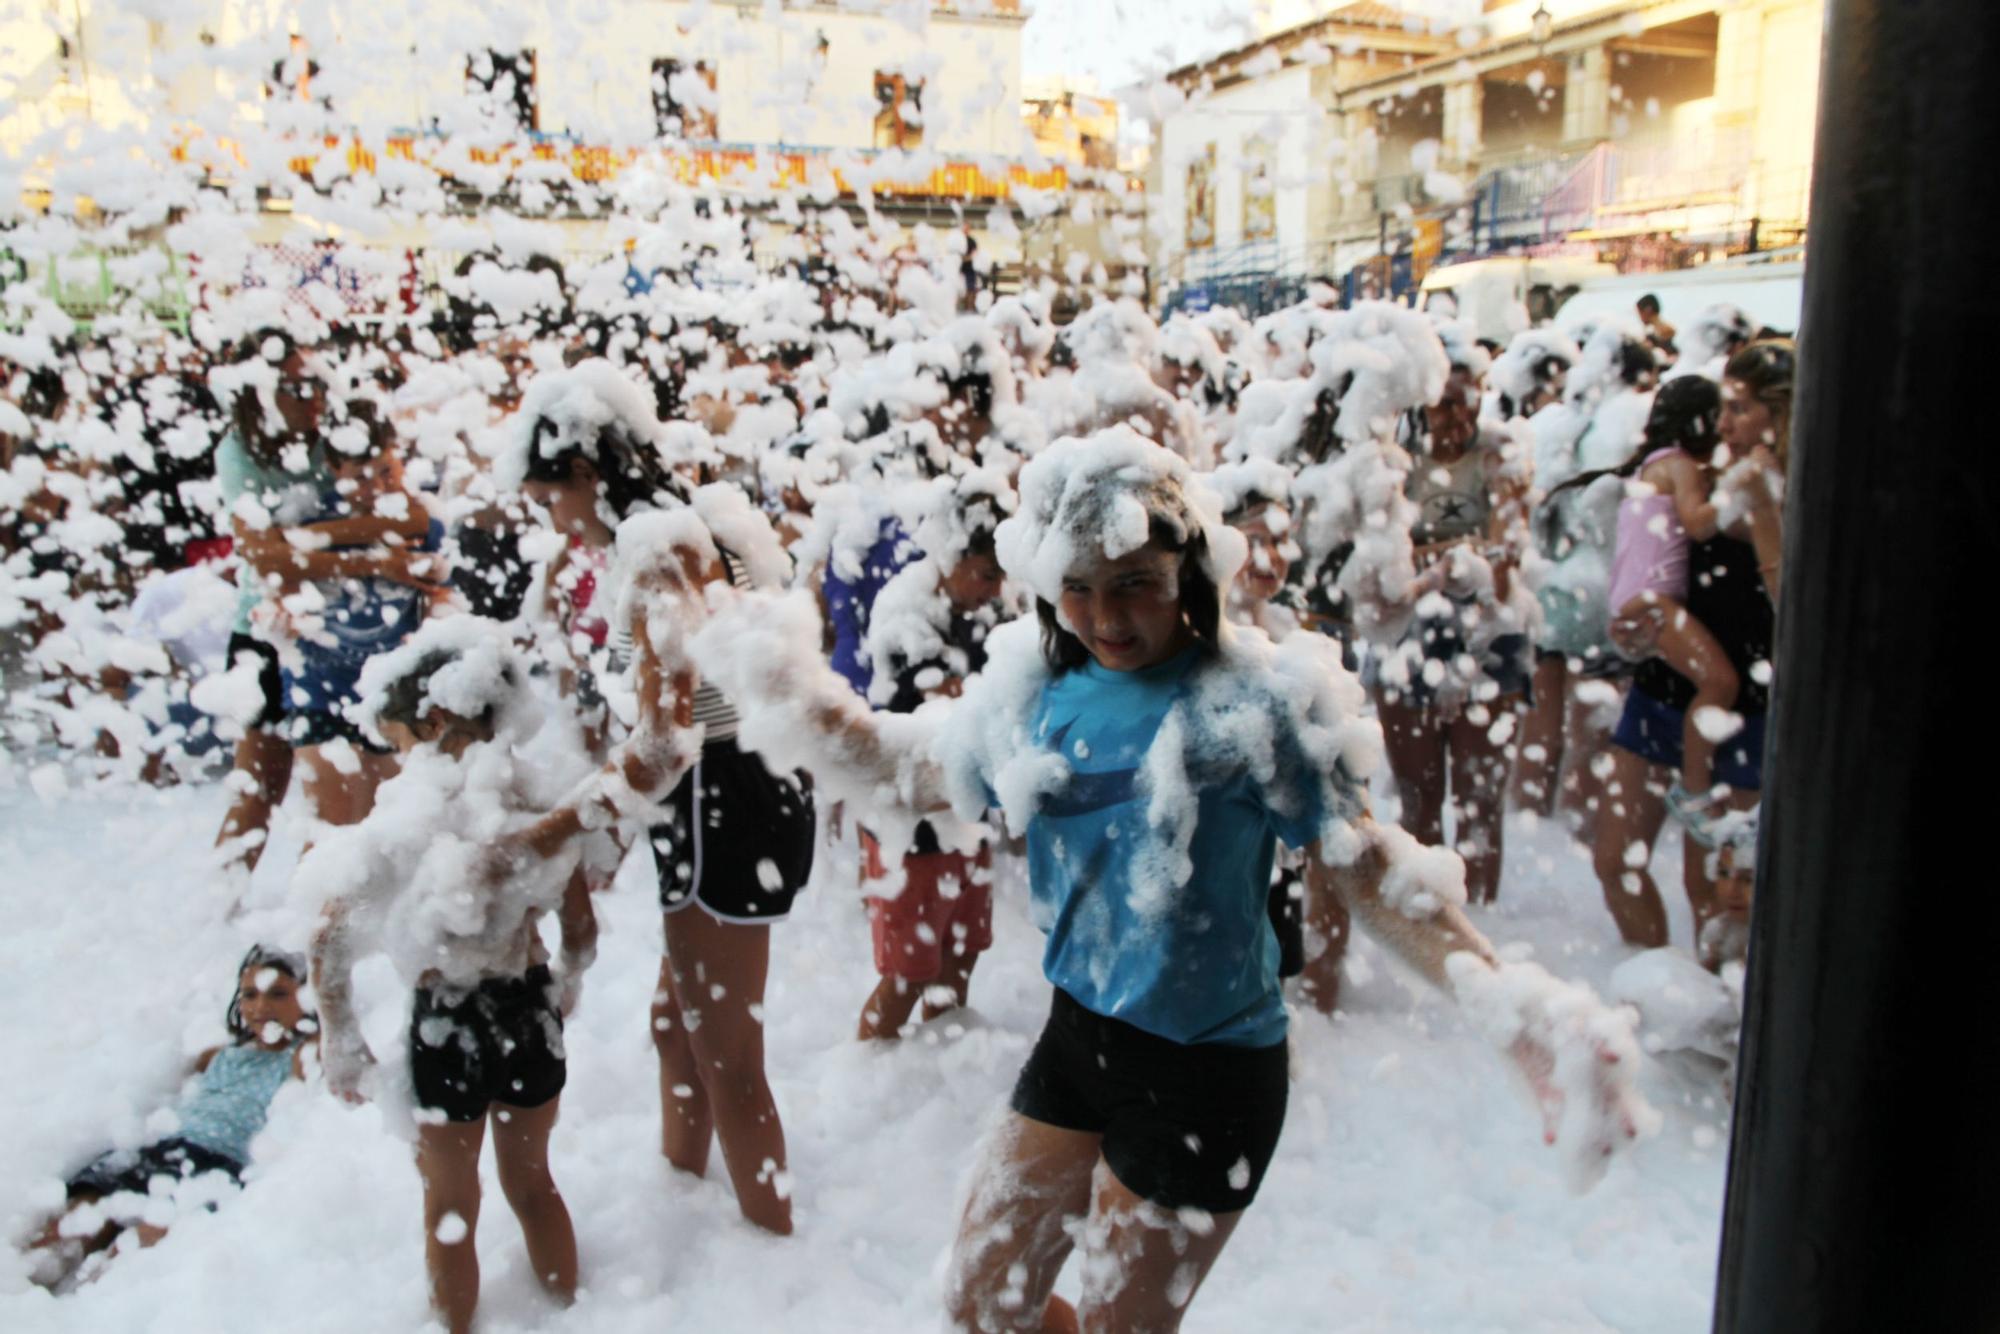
1183	1125
736	839
123	1170
269	680
501	1041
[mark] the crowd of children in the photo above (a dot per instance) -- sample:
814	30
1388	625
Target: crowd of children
807	583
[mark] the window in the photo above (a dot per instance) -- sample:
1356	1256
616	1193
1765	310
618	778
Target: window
899	120
684	100
506	81
1260	204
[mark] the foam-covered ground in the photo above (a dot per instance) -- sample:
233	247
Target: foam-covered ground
1411	1191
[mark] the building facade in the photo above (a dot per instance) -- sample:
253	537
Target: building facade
913	112
1651	129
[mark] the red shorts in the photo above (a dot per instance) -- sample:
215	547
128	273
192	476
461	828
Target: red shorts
947	901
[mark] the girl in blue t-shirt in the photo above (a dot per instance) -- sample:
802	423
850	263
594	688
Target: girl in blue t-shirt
1154	756
218	1117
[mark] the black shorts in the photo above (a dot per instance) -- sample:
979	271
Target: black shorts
269	680
501	1041
736	839
1183	1126
123	1170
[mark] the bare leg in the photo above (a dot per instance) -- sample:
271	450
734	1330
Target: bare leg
56	1256
719	974
448	1161
1627	828
263	771
1589	722
888	1008
1417	758
1541	754
1689	648
521	1151
1478	793
956	978
687	1127
1145	1263
1328	930
1032	1187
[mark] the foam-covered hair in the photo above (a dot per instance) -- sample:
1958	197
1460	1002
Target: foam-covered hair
1390	359
1515	371
467	665
1100	497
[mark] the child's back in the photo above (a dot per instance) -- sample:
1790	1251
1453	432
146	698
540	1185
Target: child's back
1651	555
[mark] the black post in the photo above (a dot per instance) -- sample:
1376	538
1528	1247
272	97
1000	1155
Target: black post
1861	1175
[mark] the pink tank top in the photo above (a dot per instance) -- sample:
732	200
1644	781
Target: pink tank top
1652	551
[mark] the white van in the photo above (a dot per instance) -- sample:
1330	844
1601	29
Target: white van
1492	295
1769	289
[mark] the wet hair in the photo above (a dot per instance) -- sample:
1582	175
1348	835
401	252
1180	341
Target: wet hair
1636	359
1686	413
1544	373
1766	368
1201	601
1062	353
980	543
45	392
630	476
1650	302
1319	441
470	318
1252	501
404	700
246	410
267	956
972	386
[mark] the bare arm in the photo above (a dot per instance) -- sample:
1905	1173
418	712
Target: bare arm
1590	1103
1767	528
1694	499
642	770
342	1048
1506	528
371	529
1424	943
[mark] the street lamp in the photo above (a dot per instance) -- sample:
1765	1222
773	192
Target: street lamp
1542	26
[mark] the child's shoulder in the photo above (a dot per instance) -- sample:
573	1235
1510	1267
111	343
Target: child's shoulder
1667	464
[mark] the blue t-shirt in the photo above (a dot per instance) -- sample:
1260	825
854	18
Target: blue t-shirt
233	1098
1195	962
848	602
362	618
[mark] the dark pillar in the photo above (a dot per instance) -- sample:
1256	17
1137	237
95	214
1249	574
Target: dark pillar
1861	1189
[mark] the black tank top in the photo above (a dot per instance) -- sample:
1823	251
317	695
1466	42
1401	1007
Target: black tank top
1726	594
